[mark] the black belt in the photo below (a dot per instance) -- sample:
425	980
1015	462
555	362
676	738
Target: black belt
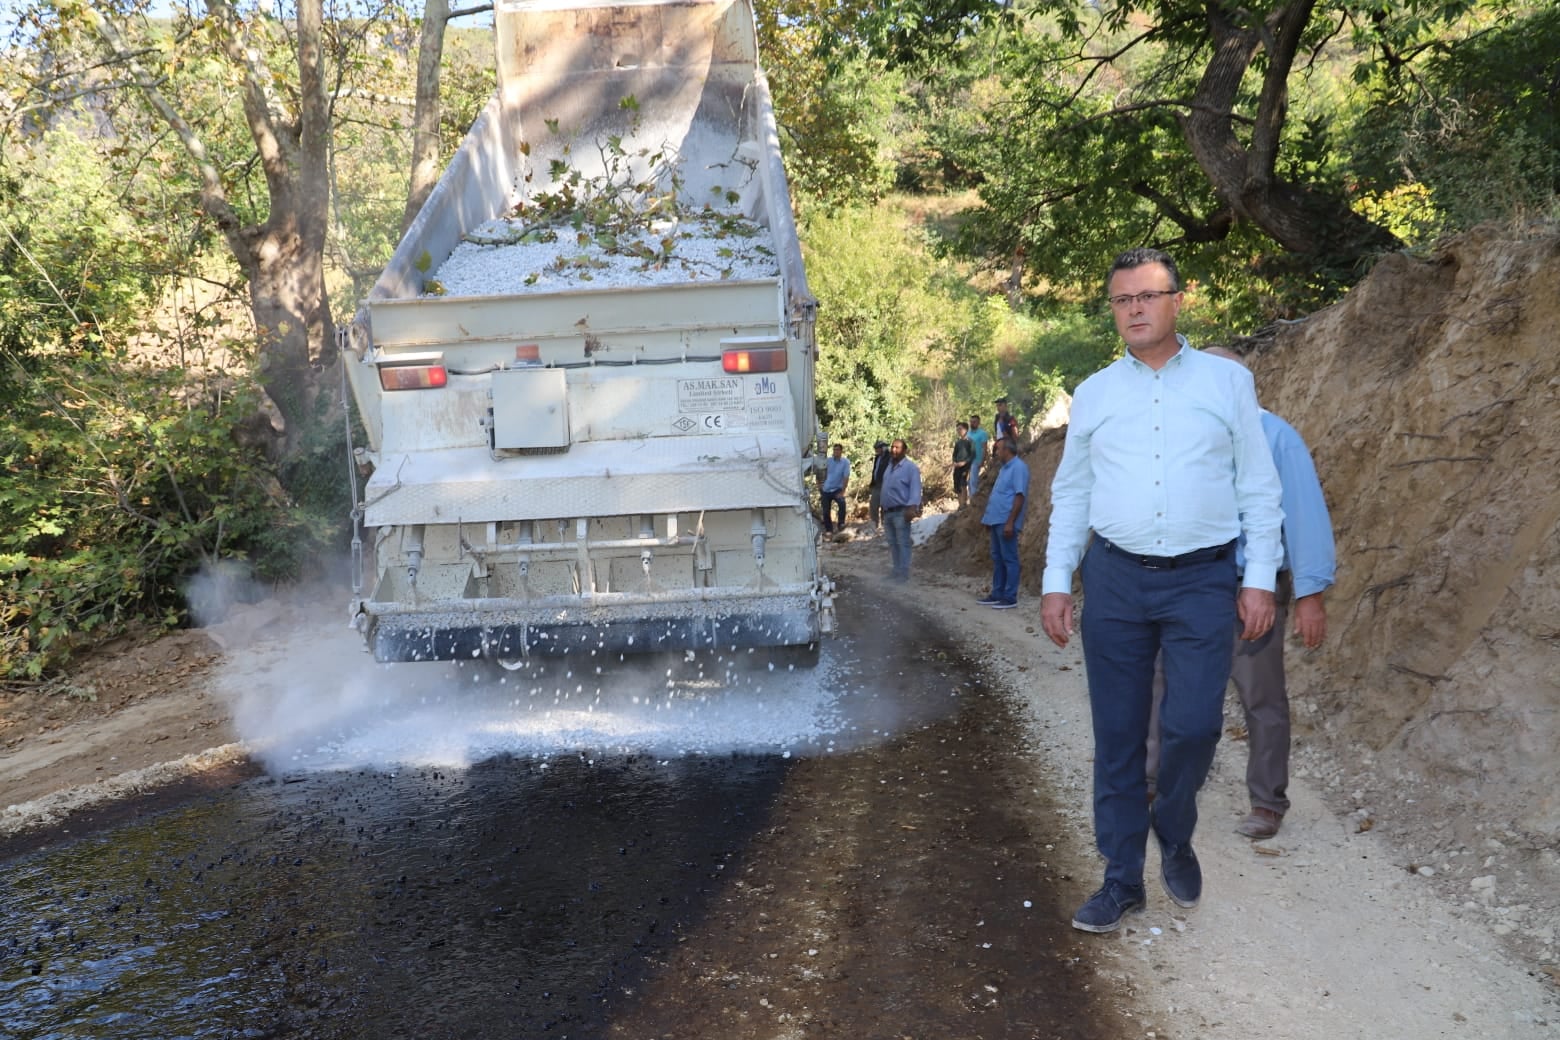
1166	563
894	509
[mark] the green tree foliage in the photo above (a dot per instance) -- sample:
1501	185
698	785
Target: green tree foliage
122	481
74	266
908	347
1472	136
138	444
911	33
1063	351
832	103
250	100
886	307
1208	130
1030	359
130	455
370	148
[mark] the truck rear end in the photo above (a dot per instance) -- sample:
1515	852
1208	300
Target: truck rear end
586	374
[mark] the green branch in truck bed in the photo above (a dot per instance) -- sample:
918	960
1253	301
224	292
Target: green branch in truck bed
633	222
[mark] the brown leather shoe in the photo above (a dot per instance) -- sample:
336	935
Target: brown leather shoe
1260	823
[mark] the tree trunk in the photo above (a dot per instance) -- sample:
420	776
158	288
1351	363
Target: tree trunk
286	274
425	117
284	259
1310	223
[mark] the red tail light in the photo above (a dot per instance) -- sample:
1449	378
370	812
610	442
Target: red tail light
758	359
414	372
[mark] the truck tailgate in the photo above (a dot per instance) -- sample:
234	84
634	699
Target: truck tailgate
599	478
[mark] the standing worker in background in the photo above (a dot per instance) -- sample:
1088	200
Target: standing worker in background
901	504
1004	518
979	438
836	478
1310	564
1166	463
963	455
880	460
1006	425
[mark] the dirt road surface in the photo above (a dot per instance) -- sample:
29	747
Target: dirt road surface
1327	931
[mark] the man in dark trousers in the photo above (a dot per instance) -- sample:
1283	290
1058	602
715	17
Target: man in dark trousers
1310	565
880	460
836	479
1166	465
963	456
1004	521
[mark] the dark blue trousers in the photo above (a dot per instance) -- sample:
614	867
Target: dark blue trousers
832	500
1131	614
1004	564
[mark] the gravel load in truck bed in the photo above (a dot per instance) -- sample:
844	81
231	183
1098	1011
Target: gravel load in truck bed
508	256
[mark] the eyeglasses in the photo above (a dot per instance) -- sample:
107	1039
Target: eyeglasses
1145	298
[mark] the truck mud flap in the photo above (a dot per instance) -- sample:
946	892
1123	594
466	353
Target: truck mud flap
396	641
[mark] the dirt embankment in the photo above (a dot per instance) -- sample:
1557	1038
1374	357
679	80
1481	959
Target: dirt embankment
1429	399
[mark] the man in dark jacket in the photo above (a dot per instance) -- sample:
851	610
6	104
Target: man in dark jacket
880	460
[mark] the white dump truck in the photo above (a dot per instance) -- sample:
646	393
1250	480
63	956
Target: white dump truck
586	374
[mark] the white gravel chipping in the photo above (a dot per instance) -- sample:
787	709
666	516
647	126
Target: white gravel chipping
507	256
339	711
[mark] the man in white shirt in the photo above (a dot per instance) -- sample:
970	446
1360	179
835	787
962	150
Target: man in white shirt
1166	464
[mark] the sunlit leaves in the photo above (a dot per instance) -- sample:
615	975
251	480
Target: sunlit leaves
1082	143
832	105
74	264
1473	135
886	305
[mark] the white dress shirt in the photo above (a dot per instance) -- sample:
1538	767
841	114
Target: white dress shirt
1163	463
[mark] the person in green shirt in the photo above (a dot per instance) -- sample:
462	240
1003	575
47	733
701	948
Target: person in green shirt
963	455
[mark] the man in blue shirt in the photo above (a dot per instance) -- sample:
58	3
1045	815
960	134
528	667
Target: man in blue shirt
1166	464
836	477
1310	565
901	504
1258	667
1004	518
